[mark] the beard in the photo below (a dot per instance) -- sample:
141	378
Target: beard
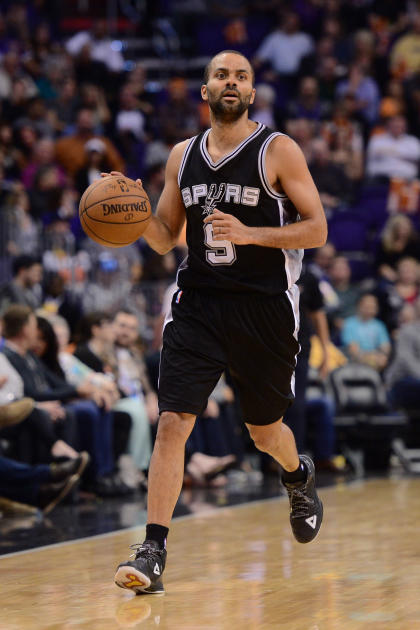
225	111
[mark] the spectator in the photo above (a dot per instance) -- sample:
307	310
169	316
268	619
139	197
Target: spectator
42	485
365	338
405	56
393	296
95	164
347	292
285	48
303	132
364	91
178	117
43	156
94	420
39	436
263	108
24	231
345	139
140	399
393	153
331	180
399	240
308	104
100	45
25	287
403	375
70	150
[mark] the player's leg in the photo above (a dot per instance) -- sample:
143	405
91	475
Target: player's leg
192	362
306	509
262	361
166	469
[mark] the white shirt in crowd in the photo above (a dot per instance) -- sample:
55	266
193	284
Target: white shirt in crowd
392	156
285	51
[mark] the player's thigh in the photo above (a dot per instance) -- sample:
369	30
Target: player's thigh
193	357
262	360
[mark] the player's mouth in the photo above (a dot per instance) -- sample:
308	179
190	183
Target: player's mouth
230	96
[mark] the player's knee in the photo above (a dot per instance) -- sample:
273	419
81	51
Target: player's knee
175	427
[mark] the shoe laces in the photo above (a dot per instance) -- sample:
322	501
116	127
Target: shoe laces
145	550
300	504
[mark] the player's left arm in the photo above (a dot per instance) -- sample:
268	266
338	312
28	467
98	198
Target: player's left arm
285	164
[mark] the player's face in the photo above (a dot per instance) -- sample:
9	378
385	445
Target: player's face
229	90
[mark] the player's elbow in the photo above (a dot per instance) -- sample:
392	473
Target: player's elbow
320	233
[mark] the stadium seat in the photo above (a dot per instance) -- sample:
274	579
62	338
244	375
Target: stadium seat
365	426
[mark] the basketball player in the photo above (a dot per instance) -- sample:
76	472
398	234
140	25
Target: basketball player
251	208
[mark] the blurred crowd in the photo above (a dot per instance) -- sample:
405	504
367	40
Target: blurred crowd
81	324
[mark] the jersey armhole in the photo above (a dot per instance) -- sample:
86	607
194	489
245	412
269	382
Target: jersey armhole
184	158
262	170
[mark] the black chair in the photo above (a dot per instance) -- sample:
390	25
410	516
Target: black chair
366	426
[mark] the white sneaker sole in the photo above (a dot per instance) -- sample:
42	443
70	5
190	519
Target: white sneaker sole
131	579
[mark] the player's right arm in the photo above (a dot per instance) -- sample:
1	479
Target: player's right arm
164	227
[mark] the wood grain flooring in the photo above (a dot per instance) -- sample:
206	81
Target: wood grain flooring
239	569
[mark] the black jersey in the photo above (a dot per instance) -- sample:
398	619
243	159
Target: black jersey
237	184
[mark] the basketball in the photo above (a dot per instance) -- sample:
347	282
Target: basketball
114	211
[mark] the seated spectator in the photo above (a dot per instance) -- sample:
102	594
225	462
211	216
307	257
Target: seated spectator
23	230
263	108
178	117
366	338
95	164
399	239
284	48
303	132
70	150
332	183
94	419
24	288
100	45
42	485
320	268
393	296
307	103
41	436
139	400
347	292
405	58
345	139
403	375
364	90
42	156
393	153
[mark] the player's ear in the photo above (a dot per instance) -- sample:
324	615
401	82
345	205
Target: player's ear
204	92
252	96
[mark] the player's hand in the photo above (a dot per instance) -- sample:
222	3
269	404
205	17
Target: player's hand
228	228
118	174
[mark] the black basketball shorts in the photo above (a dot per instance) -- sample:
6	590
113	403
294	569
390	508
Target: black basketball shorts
254	336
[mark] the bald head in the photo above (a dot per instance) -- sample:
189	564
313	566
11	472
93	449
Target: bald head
218	60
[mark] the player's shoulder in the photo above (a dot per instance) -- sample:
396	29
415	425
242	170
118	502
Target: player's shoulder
177	152
284	150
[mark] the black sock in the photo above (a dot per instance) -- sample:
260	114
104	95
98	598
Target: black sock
158	533
297	476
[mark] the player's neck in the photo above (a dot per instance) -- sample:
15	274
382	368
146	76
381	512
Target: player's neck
224	137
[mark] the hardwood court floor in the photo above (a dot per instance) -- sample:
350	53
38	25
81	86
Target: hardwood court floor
239	569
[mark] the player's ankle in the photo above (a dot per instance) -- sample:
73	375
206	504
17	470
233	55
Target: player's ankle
157	533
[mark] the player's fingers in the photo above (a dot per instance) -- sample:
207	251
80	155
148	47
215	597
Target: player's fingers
117	174
138	181
105	174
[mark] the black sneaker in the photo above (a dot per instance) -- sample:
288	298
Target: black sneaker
306	508
144	573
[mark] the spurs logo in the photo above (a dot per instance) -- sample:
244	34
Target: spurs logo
133	581
213	198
